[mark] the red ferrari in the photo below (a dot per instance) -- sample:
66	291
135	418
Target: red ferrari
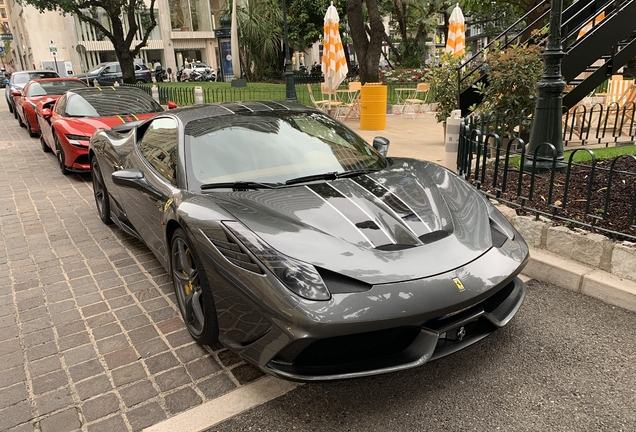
67	127
26	100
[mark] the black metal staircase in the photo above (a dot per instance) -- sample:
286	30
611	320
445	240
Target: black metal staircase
603	44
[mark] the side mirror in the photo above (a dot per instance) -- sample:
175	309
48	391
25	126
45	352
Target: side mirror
46	113
172	105
169	70
381	145
16	93
134	178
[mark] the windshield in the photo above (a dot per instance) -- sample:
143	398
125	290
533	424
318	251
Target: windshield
53	87
23	78
109	102
274	147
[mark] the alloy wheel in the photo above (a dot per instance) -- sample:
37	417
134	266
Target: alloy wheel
187	286
100	193
60	157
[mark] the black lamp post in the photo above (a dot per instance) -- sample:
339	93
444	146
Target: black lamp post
546	124
290	88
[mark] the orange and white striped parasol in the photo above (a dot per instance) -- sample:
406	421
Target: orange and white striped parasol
334	64
600	17
456	41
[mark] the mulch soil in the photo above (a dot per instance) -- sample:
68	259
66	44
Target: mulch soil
619	216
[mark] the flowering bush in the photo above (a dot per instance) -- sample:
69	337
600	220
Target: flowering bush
404	76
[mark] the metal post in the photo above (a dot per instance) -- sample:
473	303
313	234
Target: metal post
546	124
290	89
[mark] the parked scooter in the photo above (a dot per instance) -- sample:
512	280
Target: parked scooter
160	74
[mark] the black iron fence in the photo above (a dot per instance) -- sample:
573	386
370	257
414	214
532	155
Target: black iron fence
591	124
579	191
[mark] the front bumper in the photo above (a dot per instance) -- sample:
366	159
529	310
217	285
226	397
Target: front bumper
398	348
387	328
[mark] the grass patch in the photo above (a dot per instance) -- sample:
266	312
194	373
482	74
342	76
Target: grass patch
583	156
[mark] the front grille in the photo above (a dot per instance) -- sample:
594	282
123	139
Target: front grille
339	284
477	328
495	300
353	348
234	254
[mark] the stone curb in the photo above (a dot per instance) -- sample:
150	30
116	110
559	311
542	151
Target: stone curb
577	260
548	267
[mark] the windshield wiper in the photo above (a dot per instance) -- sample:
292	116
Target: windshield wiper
240	185
325	176
357	172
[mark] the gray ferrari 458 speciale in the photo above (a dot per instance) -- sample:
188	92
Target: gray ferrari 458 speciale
302	248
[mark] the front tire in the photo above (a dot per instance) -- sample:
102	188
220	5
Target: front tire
100	193
60	157
28	128
192	290
20	122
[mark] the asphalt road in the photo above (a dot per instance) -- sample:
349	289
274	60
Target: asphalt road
565	363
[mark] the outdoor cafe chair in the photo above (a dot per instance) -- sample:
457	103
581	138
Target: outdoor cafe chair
412	104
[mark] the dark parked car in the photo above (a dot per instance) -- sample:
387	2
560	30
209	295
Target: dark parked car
107	73
19	79
304	249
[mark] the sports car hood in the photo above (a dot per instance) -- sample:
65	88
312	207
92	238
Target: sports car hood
412	220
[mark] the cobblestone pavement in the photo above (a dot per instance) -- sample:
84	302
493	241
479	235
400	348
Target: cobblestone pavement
90	336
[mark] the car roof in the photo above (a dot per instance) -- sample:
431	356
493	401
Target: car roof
56	79
33	71
82	90
202	111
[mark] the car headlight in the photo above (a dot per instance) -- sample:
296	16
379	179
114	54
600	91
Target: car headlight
78	140
301	278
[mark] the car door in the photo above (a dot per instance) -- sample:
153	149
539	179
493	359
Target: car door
109	75
46	125
19	102
155	155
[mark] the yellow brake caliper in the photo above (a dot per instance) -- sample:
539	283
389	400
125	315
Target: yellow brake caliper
188	287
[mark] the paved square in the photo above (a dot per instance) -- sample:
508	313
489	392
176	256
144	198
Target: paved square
90	335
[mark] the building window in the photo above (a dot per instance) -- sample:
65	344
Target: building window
190	15
3	13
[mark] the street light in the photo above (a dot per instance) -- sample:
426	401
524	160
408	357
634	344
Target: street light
290	88
546	123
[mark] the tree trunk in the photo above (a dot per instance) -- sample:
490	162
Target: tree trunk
122	51
368	49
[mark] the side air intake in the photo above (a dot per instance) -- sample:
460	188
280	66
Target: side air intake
235	254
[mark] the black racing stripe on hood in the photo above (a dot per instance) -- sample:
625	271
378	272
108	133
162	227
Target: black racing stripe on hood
395	203
349	210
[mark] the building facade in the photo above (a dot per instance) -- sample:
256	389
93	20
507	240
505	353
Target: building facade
184	32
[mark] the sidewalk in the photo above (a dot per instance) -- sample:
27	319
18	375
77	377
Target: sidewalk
420	137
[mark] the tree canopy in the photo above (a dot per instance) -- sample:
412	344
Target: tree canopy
119	12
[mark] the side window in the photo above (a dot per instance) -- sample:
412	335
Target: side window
61	105
159	147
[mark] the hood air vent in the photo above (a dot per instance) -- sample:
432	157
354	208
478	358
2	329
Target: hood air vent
340	284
